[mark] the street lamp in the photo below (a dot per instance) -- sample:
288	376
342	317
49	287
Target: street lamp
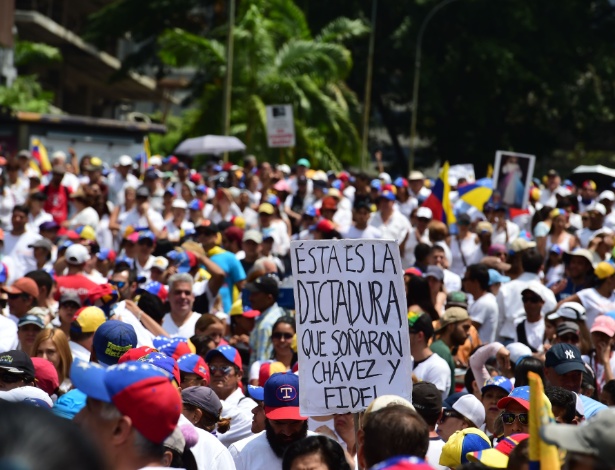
417	76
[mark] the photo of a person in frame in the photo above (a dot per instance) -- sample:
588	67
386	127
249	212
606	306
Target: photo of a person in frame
511	185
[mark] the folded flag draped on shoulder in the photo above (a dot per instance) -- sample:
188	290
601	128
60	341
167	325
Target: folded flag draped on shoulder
478	193
543	456
439	200
39	153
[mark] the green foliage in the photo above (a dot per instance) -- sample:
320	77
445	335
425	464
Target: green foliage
26	94
276	62
27	52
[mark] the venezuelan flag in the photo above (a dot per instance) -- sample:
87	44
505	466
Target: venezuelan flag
145	156
478	193
439	200
39	152
543	456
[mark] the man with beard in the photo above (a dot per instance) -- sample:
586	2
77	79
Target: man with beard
454	327
283	426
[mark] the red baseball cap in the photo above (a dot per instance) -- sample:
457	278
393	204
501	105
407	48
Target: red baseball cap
45	375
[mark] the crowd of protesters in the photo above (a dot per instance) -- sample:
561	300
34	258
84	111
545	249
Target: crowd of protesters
147	318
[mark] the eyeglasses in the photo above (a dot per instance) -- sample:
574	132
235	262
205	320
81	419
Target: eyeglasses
226	370
8	378
533	300
509	418
279	335
118	284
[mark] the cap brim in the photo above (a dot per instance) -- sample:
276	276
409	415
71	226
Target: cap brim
569	367
11	290
258	393
252	288
492	458
601	329
89	378
16	371
284	412
503	403
566	436
487	387
31	322
251	314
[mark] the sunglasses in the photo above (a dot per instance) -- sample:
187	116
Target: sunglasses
509	418
423	219
226	370
533	300
450	414
16	296
118	284
8	378
286	336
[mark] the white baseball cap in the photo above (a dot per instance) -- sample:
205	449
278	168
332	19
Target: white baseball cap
58	155
424	212
160	262
125	160
471	408
596	206
179	204
518	351
569	310
155	160
76	254
608	195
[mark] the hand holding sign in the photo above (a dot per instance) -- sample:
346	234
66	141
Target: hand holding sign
352	332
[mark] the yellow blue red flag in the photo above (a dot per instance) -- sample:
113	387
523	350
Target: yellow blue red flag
39	153
478	193
543	456
439	201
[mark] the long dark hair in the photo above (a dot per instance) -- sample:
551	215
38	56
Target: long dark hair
288	320
419	294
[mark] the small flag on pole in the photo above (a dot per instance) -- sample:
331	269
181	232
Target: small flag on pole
39	153
439	201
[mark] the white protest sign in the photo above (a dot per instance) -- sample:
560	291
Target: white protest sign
352	329
280	126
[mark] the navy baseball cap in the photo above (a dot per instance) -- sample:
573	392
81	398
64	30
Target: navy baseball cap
497	382
281	396
227	352
111	340
564	358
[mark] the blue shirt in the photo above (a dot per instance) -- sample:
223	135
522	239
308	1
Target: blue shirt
234	273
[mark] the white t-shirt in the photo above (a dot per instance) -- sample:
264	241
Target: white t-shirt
395	228
8	334
208	452
16	247
585	235
87	216
184	331
144	336
468	248
485	311
434	451
136	220
535	333
368	232
174	232
595	304
434	369
256	454
79	352
238	408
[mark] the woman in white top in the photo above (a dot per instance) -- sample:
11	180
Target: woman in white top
463	246
85	214
225	208
599	299
558	235
7	202
177	226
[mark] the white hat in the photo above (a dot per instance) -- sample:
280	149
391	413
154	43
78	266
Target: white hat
155	160
562	191
253	235
160	262
385	177
518	351
416	175
284	168
596	206
179	204
608	195
58	155
569	310
387	400
31	395
125	160
76	254
424	212
535	287
471	408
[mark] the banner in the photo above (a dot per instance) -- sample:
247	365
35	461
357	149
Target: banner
512	178
280	126
352	330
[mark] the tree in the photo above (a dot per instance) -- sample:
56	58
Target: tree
277	61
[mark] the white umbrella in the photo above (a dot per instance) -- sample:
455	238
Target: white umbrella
210	144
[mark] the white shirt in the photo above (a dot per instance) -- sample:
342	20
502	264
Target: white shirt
238	408
256	454
174	232
34	222
136	220
595	304
499	235
184	331
145	270
117	184
434	451
395	228
510	306
585	235
368	232
434	369
8	334
451	281
16	247
467	247
535	333
414	238
144	336
79	352
208	452
485	311
86	216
